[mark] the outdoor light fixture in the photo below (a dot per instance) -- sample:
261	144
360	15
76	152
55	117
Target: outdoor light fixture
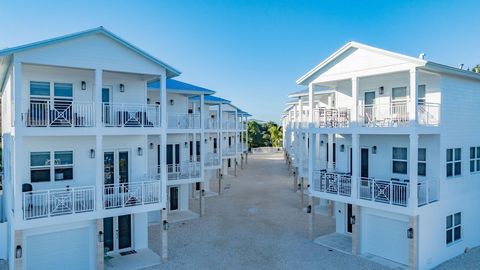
186	144
203	192
140	151
342	148
18	252
321	142
374	149
381	90
84	85
172	102
304	136
92	153
166	226
309	209
352	220
151	145
206	140
122	88
410	233
100	237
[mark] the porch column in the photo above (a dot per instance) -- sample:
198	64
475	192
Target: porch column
330	164
164	225
354	112
356	232
310	102
355	164
311	216
412	102
413	171
98	97
99	171
100	244
202	199
163	142
413	243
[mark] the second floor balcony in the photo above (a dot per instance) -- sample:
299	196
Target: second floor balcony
212	159
228	151
183	121
183	171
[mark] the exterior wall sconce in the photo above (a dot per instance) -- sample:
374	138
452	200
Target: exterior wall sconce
203	192
151	145
100	237
122	88
304	136
18	252
321	142
410	233
352	220
381	90
186	144
374	149
342	148
172	102
166	225
84	85
140	151
92	153
309	209
206	141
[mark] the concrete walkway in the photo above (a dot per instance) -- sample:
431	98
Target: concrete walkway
256	224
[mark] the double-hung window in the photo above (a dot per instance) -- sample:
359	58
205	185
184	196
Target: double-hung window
422	162
454	162
49	107
453	228
47	166
474	159
421	94
399	160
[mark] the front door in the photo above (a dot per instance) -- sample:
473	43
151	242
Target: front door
117	233
349	215
116	167
106	98
173	200
364	163
173	158
369	111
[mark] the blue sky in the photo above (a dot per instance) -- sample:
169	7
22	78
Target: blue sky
253	51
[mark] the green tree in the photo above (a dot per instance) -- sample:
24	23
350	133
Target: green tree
254	134
276	135
476	68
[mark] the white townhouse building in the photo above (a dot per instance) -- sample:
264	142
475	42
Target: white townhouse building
91	153
388	143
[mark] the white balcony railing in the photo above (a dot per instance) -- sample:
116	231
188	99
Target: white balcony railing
185	170
59	113
229	124
429	114
131	194
212	159
427	192
56	202
332	182
384	115
211	123
323	117
384	191
183	121
130	115
228	151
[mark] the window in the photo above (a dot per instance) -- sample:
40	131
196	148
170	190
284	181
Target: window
421	94
454	228
454	162
399	160
40	89
422	162
475	159
63	90
399	93
42	169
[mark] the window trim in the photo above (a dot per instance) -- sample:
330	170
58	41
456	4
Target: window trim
475	159
453	242
453	162
399	160
52	166
422	161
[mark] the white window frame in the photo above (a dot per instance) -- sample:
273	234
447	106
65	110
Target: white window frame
52	166
452	229
475	159
399	160
422	162
453	162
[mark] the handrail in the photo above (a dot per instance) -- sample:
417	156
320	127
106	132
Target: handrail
130	115
59	113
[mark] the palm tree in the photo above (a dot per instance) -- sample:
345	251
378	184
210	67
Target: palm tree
476	68
276	135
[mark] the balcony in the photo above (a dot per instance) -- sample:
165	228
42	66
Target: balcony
212	159
229	125
211	123
229	151
131	194
59	113
331	118
57	202
130	115
183	121
393	192
396	114
183	171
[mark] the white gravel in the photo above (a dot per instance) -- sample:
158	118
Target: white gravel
256	224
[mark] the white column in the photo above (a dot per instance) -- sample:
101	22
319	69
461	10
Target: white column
354	112
311	157
202	137
98	97
17	86
310	102
355	164
163	142
413	170
99	171
412	102
330	152
163	214
18	151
